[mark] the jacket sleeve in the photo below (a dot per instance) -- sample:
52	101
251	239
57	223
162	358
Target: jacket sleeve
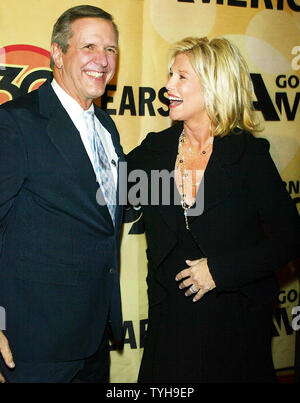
280	219
12	163
139	153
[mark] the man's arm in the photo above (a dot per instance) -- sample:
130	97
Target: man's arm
12	175
12	162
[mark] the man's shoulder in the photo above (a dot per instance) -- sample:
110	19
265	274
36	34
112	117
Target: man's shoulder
27	102
40	101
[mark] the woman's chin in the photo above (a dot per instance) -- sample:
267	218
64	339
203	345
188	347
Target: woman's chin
174	115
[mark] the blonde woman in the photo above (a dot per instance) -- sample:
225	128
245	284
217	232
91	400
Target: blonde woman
211	263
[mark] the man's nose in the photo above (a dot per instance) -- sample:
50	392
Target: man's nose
101	57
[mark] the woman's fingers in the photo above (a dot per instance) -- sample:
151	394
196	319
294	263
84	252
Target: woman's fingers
197	278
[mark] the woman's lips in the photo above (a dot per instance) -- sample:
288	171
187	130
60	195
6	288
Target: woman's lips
174	101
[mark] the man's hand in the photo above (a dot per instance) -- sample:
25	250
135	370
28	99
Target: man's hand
6	354
197	277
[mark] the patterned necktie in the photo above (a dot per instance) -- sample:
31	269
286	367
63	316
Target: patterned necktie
101	164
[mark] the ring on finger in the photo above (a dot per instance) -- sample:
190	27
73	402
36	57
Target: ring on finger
192	289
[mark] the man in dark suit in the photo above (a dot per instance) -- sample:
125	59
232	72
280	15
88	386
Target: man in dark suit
59	220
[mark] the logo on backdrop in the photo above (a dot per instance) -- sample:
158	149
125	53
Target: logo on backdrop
23	68
269	5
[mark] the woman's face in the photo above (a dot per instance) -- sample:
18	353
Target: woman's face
185	92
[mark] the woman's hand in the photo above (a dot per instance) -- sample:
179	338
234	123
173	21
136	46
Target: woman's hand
197	277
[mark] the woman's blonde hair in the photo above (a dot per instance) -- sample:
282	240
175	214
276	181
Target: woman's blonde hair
225	79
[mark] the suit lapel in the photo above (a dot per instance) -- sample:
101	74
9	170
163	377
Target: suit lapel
216	185
66	138
167	154
216	178
63	133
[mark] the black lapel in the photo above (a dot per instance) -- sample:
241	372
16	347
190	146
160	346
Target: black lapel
66	138
63	133
165	160
217	184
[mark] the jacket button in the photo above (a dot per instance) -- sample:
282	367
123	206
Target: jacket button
112	271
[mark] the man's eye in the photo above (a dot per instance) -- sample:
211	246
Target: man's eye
181	77
112	51
89	46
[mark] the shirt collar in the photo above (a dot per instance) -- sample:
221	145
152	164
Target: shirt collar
73	108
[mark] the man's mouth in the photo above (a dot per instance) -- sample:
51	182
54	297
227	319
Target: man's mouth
95	74
174	101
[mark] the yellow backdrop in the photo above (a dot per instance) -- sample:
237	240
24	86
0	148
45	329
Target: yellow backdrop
267	32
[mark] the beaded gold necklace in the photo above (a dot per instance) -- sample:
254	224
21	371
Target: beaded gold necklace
180	166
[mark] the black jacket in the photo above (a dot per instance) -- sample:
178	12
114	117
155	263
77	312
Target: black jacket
249	226
59	279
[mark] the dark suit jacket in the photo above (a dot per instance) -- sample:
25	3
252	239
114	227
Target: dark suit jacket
242	190
59	279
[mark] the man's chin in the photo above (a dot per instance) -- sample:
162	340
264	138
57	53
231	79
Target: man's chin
96	94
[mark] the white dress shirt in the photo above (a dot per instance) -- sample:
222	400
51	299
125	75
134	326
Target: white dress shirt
75	112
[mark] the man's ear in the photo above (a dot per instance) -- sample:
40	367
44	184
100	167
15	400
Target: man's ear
56	53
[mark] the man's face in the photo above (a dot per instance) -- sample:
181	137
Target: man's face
90	61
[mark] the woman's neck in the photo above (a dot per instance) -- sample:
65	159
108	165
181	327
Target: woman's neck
198	136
